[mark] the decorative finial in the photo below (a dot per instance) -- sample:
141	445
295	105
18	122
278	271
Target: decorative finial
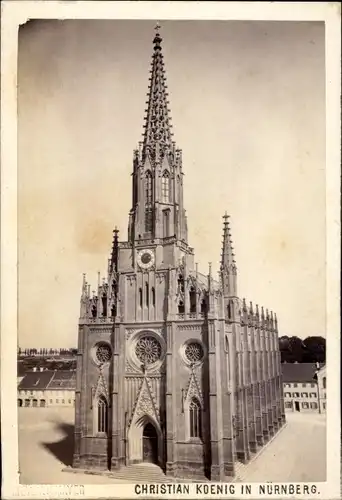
157	38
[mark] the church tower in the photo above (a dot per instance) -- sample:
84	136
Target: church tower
168	370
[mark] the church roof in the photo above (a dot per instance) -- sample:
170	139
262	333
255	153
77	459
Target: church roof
65	379
48	379
36	380
298	372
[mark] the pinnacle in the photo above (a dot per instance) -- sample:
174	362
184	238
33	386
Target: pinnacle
227	256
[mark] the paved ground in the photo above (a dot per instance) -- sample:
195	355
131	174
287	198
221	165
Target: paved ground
296	454
46	447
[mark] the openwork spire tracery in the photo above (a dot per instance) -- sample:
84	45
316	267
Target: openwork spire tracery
157	120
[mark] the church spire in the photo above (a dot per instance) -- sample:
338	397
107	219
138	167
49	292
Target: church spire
157	120
228	264
157	182
227	257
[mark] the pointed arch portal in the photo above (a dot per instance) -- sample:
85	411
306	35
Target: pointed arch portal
145	441
150	444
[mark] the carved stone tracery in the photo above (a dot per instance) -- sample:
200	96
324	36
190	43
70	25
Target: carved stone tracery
148	350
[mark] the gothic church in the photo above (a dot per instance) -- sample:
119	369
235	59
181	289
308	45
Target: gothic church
173	368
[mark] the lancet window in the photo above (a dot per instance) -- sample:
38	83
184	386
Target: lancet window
203	306
165	187
166	223
229	310
104	305
195	417
193	300
181	283
147	291
102	415
148	202
148	188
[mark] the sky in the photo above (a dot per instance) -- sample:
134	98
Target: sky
247	102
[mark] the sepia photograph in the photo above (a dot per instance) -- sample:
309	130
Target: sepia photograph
172	255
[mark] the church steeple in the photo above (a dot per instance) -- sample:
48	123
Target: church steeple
157	189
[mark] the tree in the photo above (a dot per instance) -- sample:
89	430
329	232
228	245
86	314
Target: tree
314	349
291	349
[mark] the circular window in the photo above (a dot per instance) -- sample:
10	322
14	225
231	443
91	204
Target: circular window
103	353
148	350
194	352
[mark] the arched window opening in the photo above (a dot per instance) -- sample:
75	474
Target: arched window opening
324	382
148	188
140	297
148	202
104	305
147	290
193	300
226	344
113	311
181	307
35	403
102	415
94	311
153	296
42	403
165	187
203	306
229	310
166	223
181	283
148	219
195	417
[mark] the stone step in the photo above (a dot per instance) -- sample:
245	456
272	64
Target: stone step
140	473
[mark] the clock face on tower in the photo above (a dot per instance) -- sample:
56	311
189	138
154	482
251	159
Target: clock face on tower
145	258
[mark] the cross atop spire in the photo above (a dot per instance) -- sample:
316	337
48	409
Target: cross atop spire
157	120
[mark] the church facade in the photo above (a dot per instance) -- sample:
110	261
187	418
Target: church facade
173	368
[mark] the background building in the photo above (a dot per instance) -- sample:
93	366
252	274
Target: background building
43	388
321	375
304	387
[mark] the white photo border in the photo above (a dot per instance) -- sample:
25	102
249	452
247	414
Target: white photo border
15	13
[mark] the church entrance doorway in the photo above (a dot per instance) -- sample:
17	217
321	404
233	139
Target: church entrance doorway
150	444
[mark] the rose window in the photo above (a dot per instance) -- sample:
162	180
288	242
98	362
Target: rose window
148	350
194	352
103	353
